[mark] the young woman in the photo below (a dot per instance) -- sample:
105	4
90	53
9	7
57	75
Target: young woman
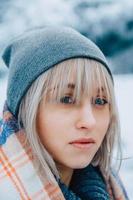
60	120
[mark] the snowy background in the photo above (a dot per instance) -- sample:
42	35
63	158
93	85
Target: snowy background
109	23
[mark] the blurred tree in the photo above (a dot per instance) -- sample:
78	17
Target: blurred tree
4	6
109	23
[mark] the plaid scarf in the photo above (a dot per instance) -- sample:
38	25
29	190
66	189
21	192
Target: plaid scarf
19	178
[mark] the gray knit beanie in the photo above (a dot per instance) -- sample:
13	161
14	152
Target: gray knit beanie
37	51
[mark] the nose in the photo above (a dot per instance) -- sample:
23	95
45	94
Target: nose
86	119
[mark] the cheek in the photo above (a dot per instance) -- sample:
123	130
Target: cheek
51	129
105	119
48	135
53	137
103	127
105	123
45	127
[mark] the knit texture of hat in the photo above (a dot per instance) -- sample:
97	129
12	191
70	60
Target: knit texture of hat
37	51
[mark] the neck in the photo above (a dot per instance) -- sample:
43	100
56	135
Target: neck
65	173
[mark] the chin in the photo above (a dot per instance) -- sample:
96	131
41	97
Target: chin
80	164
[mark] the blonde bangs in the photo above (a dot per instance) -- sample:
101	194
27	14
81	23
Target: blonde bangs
86	75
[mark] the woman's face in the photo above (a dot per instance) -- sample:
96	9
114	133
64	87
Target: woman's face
59	125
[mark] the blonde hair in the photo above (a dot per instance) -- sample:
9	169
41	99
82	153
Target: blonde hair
87	74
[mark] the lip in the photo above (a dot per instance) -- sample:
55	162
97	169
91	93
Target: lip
83	143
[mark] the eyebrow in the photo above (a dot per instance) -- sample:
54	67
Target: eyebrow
99	89
71	85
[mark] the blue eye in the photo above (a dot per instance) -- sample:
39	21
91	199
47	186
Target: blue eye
100	101
67	100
